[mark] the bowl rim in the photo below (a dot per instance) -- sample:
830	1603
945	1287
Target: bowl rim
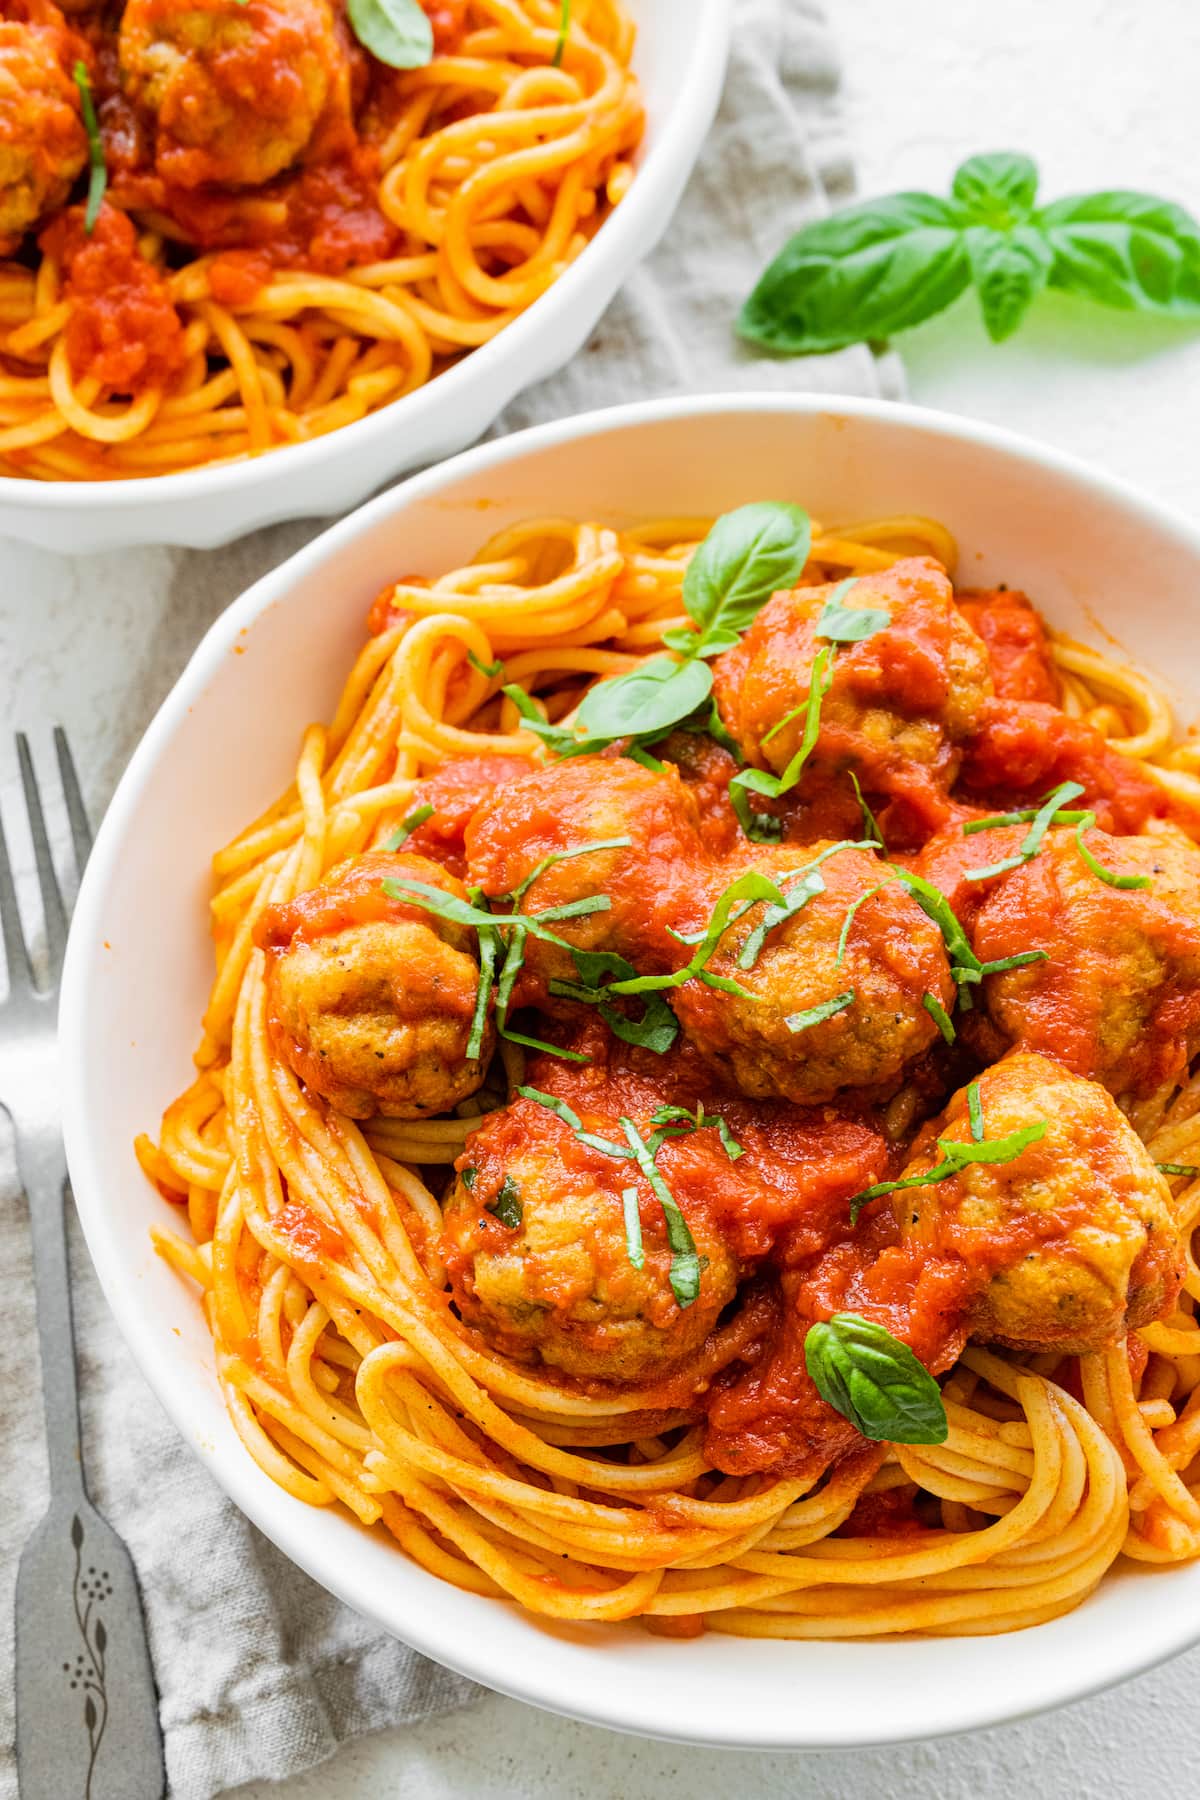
620	241
961	1708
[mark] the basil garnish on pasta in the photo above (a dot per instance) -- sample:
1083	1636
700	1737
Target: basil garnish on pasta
396	32
748	555
875	1381
940	1016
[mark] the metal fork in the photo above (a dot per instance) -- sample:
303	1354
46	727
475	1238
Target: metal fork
87	1710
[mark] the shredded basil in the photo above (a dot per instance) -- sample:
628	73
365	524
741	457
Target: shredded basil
1043	818
940	1016
467	1178
847	922
506	1206
699	1121
850	624
491	670
761	781
685	1263
870	822
98	167
405	830
1097	867
1187	1169
975	1112
633	1228
955	1157
817	1015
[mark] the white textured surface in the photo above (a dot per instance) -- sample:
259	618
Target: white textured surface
1102	94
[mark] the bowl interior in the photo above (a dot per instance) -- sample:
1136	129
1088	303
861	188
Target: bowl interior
1101	563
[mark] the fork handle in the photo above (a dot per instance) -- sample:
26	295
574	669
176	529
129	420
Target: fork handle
43	1171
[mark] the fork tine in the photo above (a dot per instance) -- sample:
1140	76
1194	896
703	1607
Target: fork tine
52	905
20	974
81	831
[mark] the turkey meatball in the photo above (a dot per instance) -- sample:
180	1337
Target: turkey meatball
900	701
820	1013
537	1249
651	882
1071	1243
237	88
43	145
1117	997
371	1000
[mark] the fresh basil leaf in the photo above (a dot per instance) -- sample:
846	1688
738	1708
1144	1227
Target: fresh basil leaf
749	554
1009	269
997	188
698	1121
506	1206
1125	249
1187	1169
98	168
955	1158
869	271
875	1381
975	1112
843	624
650	698
396	32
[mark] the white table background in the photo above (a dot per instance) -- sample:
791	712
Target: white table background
1102	93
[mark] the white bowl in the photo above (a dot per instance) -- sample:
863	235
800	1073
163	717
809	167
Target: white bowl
680	56
1094	554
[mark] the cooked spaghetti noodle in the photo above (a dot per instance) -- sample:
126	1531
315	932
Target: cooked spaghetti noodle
317	1240
210	312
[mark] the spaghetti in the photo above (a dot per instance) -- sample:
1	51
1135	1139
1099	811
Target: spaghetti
317	1241
374	226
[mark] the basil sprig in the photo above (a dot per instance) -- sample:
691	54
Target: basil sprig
887	264
396	32
97	166
748	555
875	1381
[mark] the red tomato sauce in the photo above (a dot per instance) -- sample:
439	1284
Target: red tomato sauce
124	329
355	897
1024	748
1017	645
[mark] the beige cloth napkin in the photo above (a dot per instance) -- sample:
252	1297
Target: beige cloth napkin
261	1672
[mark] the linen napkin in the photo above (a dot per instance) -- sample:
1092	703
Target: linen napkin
261	1673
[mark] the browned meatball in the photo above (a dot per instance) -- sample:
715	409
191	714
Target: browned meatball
899	703
370	1000
775	1041
651	882
43	145
537	1248
238	88
1118	995
1072	1242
